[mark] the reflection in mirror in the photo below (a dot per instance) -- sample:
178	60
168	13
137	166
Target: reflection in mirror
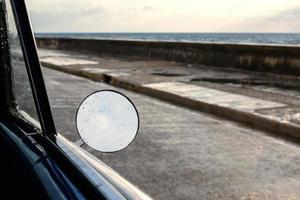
107	121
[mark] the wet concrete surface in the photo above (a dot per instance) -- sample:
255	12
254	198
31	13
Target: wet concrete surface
216	97
229	82
182	154
272	86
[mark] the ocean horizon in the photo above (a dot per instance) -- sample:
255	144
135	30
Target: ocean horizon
232	38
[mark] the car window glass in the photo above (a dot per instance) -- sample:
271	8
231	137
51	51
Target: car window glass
22	89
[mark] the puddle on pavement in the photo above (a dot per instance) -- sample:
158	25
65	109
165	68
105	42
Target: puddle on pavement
169	74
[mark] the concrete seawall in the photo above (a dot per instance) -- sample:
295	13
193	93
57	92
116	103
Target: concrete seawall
266	58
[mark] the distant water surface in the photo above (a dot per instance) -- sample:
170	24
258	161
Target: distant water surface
244	38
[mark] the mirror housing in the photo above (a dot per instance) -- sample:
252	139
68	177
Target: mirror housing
107	121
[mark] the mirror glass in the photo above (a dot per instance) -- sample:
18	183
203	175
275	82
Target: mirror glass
107	121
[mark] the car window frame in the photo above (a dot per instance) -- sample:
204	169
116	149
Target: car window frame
7	100
33	68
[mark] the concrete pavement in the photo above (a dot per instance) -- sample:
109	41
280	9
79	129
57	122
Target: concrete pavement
266	101
180	153
183	154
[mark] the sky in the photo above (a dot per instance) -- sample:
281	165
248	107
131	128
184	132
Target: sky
165	15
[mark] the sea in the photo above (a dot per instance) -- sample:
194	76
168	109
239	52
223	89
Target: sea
232	38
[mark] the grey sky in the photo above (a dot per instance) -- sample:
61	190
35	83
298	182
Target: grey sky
165	15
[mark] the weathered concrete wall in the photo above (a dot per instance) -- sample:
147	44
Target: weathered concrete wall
275	59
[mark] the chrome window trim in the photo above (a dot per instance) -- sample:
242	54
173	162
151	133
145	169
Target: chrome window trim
99	173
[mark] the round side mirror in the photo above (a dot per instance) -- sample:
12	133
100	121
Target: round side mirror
107	121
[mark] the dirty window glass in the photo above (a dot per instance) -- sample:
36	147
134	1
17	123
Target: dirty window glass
22	89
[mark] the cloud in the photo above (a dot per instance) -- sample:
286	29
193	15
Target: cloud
65	15
148	8
291	14
164	16
284	21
